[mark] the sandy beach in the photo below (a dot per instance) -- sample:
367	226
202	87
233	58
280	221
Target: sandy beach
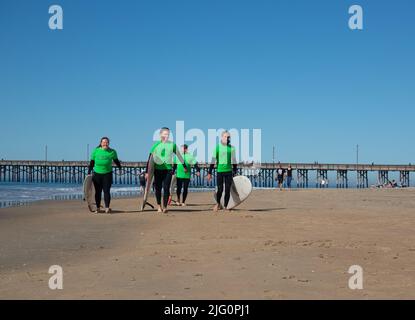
278	245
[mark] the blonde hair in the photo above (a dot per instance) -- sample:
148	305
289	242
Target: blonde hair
164	129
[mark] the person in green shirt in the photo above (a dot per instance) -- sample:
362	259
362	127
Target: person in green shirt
163	152
101	162
183	177
226	167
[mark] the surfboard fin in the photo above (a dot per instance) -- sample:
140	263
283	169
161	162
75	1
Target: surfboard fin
146	204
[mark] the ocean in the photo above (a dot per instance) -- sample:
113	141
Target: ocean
13	194
17	194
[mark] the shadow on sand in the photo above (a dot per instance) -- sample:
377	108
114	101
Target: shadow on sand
189	208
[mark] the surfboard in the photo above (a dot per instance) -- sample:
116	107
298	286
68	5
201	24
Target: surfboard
240	191
173	186
149	184
89	193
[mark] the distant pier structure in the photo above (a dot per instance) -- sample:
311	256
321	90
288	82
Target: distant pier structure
263	175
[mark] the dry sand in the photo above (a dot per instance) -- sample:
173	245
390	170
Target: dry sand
277	245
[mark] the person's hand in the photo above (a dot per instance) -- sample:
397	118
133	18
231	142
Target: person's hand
209	177
198	174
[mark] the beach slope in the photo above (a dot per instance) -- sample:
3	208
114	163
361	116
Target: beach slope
277	245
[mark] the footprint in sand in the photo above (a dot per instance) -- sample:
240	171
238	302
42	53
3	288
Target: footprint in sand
303	280
188	260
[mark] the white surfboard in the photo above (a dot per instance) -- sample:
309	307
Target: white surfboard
173	186
89	193
149	184
240	191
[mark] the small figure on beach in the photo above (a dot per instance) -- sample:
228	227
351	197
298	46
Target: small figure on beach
183	176
289	176
226	167
142	180
280	176
101	164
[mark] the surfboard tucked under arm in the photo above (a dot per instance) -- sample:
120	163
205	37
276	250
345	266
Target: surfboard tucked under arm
149	184
173	186
89	193
240	191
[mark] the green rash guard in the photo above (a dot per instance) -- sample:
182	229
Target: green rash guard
224	156
163	154
189	160
103	160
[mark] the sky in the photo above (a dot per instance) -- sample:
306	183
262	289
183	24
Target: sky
293	69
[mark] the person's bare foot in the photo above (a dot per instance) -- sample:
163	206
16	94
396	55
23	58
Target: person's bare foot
165	210
183	204
217	207
159	209
108	210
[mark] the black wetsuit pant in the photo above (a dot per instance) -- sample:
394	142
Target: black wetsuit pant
102	182
182	184
162	180
227	179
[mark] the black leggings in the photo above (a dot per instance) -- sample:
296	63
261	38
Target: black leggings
182	183
162	180
102	182
224	177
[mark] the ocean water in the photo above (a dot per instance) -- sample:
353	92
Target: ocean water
17	194
13	194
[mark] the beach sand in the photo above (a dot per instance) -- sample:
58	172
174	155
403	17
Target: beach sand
278	245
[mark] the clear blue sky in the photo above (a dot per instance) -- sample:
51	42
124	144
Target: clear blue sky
292	68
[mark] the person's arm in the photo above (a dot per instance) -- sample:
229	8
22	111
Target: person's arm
234	162
118	163
175	164
212	164
116	160
180	158
197	167
91	166
235	169
92	162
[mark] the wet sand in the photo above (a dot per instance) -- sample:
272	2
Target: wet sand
277	245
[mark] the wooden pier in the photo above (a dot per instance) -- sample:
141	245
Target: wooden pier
305	174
